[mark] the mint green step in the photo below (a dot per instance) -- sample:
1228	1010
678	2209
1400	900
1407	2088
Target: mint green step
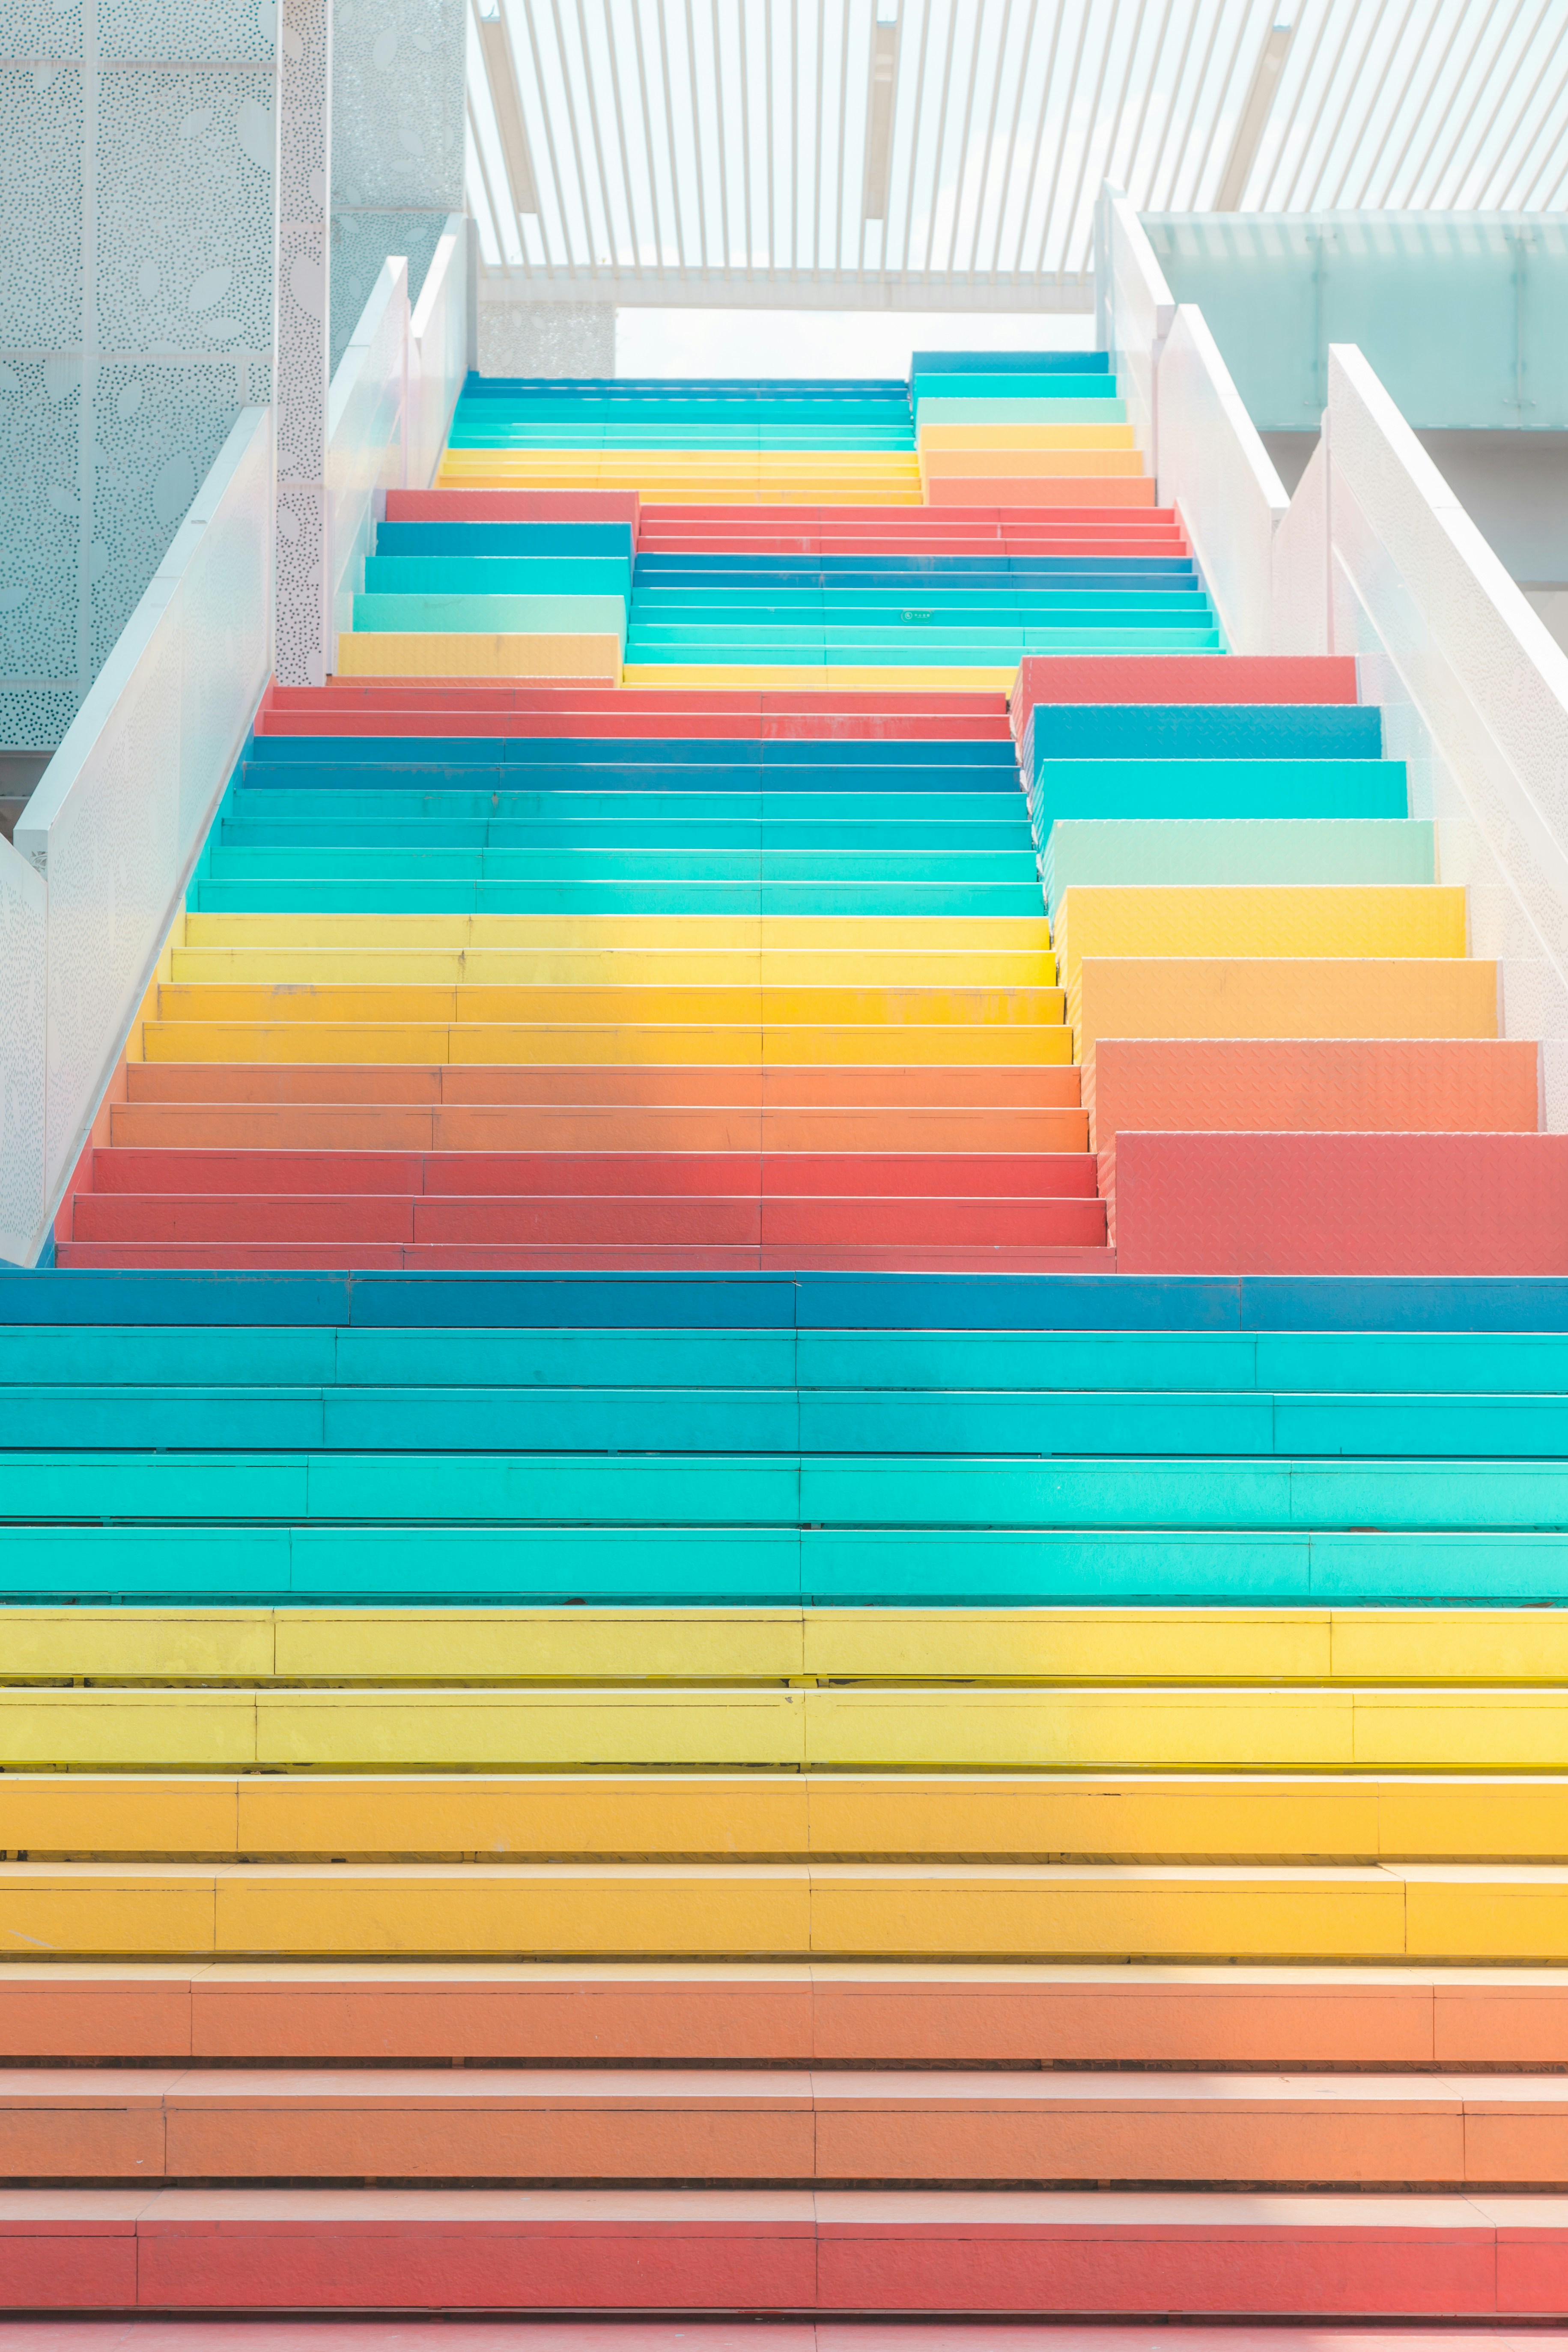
1132	850
544	616
1071	410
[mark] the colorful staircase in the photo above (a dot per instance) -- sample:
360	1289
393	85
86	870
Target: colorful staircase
732	1586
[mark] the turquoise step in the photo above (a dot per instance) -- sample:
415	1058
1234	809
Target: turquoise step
411	895
939	648
509	575
1215	788
731	821
869	1422
520	1489
441	827
1321	850
381	1565
1011	387
371	862
1447	1365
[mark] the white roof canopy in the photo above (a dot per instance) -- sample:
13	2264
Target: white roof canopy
945	154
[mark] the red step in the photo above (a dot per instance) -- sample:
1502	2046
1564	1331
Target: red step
1346	1205
730	2252
1180	677
1056	1176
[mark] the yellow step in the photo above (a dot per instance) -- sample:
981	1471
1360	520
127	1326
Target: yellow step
319	967
1281	996
531	1817
190	1642
1365	919
399	652
628	1004
519	1043
710	934
718	1727
1423	1913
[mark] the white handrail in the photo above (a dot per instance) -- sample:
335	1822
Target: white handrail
1473	688
390	406
1215	469
105	842
1133	308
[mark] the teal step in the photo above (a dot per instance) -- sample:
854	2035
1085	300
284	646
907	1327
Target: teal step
1113	852
939	647
497	818
1215	788
1012	387
1443	1364
412	894
509	575
218	1561
873	1424
437	827
370	862
521	1489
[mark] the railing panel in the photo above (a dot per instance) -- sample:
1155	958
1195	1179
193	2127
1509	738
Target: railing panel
1475	695
24	988
439	351
1138	310
1301	617
119	812
367	416
1213	467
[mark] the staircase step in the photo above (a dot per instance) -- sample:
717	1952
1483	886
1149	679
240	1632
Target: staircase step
1377	1204
1295	997
799	2250
752	2128
785	2014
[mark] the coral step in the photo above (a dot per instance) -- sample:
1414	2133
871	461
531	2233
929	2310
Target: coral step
789	2015
903	1257
587	1220
366	1127
1319	1204
1178	677
1419	1085
548	2126
735	2252
882	1176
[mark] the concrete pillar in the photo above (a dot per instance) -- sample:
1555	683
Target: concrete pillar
304	186
521	337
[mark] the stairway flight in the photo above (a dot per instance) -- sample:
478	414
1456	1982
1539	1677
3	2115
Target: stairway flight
732	1587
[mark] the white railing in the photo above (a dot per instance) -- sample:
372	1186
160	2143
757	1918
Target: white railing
391	405
105	845
1133	310
1387	565
1215	469
367	413
1188	419
440	339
